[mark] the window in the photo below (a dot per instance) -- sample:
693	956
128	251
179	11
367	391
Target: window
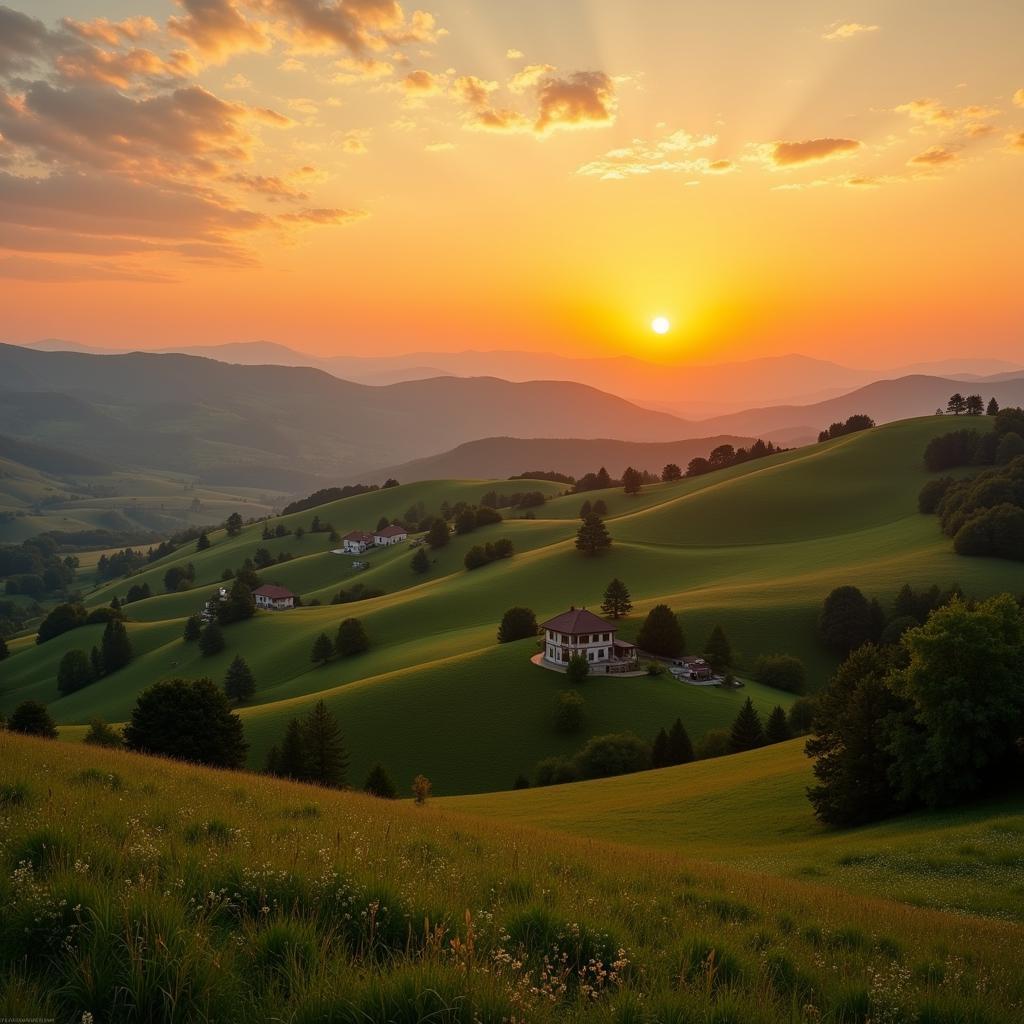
590	655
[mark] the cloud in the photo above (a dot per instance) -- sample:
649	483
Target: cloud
583	99
323	216
23	41
218	28
792	154
847	30
1018	97
122	68
528	77
113	33
935	156
514	54
271	186
932	113
354	142
671	154
362	69
1016	141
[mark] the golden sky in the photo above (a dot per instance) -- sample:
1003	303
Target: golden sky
842	179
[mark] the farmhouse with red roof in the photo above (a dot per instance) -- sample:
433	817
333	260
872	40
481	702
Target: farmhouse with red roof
390	535
356	542
273	597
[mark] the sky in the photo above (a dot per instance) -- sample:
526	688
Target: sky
841	179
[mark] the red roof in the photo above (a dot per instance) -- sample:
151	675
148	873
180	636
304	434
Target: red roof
578	620
273	592
359	536
392	531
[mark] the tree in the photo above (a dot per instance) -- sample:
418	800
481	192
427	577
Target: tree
101	734
973	405
614	754
659	750
592	537
714	743
956	404
747	733
632	480
577	669
851	743
517	624
671	473
586	509
437	535
781	672
291	762
234	524
203	542
326	757
31	718
777	728
239	682
993	408
211	639
1011	444
238	606
601	506
617	602
383	523
74	672
96	662
661	633
323	650
680	749
421	788
521	782
187	719
378	783
193	629
465	522
570	713
351	638
61	619
964	692
115	647
420	561
846	620
717	650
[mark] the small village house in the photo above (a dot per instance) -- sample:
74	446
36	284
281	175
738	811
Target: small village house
580	632
356	542
274	598
390	535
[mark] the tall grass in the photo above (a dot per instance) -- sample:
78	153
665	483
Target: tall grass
183	894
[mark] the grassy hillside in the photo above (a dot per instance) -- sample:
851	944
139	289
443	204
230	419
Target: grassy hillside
751	811
755	548
141	889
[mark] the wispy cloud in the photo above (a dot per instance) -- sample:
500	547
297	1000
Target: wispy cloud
847	30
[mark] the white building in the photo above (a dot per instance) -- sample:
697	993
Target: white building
274	598
390	535
357	542
579	632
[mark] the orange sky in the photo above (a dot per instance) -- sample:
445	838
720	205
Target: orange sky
352	176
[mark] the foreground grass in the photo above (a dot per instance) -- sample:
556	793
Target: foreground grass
138	889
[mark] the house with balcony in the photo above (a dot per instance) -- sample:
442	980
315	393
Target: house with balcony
581	632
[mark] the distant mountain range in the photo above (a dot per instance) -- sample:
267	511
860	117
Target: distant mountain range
692	392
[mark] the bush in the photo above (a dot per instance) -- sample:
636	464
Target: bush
931	495
714	743
517	624
378	783
997	532
577	670
31	718
614	754
351	638
661	633
781	672
570	713
101	734
74	672
555	771
61	619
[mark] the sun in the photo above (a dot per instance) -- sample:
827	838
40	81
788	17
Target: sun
661	325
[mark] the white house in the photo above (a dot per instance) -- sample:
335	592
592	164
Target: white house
357	542
390	535
578	631
275	598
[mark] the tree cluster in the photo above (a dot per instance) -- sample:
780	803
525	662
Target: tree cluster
312	750
481	555
326	495
350	639
726	455
357	592
851	426
969	447
78	669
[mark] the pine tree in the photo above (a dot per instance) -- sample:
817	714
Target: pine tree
593	537
680	749
659	750
632	480
718	651
323	650
291	762
74	672
193	629
993	408
351	638
420	561
600	506
238	606
326	757
661	633
234	524
438	535
747	731
777	729
203	542
115	647
586	509
378	783
239	683
211	640
96	661
617	599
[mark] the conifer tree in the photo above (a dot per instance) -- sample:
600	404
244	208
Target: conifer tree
274	760
680	749
115	647
323	650
351	638
96	661
378	783
747	731
203	542
291	762
211	639
586	509
438	535
420	561
193	629
617	599
661	633
601	506
592	537
659	750
326	757
993	408
239	683
718	651
632	480
777	728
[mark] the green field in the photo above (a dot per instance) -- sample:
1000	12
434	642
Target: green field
140	889
755	548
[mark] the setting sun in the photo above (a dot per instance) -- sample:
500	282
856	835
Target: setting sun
661	325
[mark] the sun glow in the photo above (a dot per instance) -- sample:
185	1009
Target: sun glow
661	325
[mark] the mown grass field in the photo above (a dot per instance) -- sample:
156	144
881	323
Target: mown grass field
755	548
140	889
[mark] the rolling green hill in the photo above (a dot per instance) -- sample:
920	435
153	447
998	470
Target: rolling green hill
755	548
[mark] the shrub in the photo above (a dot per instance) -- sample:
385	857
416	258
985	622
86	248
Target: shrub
61	619
570	713
378	783
714	743
577	670
31	718
351	638
517	624
614	754
781	672
74	672
555	771
101	734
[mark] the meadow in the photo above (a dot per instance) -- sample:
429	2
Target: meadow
755	548
141	889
